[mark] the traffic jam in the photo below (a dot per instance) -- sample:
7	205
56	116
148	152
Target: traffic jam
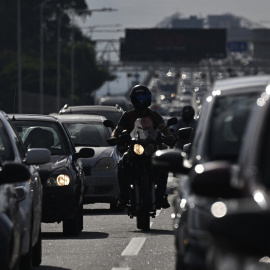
150	153
70	179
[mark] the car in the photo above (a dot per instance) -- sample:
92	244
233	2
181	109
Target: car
101	170
240	222
10	224
29	197
112	113
218	136
62	177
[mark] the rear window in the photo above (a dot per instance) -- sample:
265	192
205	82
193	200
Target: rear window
6	150
228	124
88	134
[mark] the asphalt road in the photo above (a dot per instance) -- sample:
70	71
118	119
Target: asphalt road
110	241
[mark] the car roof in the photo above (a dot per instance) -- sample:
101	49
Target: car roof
40	117
80	117
93	108
241	82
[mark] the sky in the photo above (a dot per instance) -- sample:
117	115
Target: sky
148	13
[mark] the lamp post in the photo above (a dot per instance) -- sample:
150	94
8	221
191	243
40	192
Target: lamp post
19	56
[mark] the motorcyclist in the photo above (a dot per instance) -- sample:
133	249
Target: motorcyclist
186	120
140	97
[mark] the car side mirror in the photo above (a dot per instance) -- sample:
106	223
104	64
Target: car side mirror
172	121
86	152
169	160
12	172
35	156
213	179
108	123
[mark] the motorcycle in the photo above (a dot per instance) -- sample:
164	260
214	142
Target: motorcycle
138	147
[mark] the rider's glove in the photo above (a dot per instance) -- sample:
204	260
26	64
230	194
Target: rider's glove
112	141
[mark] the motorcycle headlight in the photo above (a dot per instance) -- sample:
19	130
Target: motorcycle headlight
138	149
105	164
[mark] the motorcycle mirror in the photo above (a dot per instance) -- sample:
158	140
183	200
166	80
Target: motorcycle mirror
172	121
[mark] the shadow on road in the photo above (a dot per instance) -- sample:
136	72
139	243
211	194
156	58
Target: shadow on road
89	212
82	235
156	232
46	267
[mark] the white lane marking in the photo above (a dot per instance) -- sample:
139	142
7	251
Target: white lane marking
134	246
158	212
151	223
126	268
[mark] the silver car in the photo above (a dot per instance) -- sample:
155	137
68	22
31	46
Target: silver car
101	170
29	193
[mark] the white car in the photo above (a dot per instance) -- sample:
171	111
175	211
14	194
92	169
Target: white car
101	171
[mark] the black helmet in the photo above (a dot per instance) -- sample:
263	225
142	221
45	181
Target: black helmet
188	113
140	97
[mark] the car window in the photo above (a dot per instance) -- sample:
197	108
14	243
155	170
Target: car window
88	134
229	118
6	150
42	134
264	153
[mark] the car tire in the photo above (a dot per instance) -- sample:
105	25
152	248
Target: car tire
81	216
37	251
26	260
72	227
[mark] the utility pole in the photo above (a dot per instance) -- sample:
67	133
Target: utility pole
86	12
19	56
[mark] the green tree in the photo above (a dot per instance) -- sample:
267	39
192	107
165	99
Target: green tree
88	76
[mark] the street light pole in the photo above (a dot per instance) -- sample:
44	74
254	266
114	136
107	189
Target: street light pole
41	56
19	56
58	90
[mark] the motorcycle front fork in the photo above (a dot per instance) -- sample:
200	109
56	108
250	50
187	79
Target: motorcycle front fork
138	203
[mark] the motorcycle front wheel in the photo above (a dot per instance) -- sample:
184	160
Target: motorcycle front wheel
143	217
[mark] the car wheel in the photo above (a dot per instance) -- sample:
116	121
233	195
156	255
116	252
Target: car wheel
81	216
73	226
115	208
26	260
37	251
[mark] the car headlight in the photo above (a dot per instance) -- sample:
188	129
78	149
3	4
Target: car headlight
105	164
58	180
138	149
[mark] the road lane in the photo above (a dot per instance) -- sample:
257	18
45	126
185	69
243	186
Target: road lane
105	237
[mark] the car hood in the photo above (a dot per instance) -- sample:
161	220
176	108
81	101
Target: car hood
57	162
100	152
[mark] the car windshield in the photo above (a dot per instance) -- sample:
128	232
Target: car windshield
88	134
42	134
229	120
6	150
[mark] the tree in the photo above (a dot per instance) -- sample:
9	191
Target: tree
88	76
